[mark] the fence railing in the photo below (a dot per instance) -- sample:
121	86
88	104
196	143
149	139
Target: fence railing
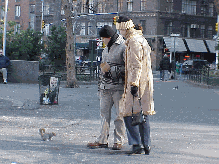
83	73
198	75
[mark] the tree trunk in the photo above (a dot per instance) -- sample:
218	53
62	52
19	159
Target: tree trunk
70	57
216	3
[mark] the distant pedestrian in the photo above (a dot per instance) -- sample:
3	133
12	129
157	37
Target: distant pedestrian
111	88
138	84
173	69
4	63
165	67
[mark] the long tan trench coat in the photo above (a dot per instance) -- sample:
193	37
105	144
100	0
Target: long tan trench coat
138	73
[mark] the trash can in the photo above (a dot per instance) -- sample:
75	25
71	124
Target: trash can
49	89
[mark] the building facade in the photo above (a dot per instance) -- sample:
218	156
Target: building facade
193	20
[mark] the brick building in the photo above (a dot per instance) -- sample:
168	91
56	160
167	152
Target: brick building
28	14
194	20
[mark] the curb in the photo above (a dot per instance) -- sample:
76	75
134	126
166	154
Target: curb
201	85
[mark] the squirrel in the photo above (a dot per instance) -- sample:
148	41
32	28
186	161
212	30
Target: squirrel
46	136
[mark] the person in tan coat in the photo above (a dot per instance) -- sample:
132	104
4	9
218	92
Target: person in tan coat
138	85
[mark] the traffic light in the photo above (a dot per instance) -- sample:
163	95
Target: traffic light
43	24
216	27
115	19
166	49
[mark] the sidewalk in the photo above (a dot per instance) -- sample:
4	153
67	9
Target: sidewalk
184	130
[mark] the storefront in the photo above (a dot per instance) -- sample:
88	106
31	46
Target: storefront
186	49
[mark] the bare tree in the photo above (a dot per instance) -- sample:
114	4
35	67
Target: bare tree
216	3
70	56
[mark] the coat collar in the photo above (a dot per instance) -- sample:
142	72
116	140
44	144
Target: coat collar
129	35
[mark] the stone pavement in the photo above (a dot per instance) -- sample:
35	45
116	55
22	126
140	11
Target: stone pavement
184	130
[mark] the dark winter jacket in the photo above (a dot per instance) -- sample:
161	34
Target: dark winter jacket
165	64
4	62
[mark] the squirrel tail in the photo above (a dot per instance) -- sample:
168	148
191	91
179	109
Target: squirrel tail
42	130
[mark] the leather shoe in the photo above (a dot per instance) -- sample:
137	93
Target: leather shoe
136	149
147	149
117	146
97	145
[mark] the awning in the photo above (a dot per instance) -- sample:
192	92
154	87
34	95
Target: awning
211	45
179	44
196	45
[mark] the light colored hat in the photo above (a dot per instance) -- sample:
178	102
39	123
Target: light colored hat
124	23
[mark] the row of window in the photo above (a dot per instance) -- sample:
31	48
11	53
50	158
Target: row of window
46	10
192	30
190	7
104	6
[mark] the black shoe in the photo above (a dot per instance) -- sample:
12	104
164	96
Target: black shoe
147	149
136	149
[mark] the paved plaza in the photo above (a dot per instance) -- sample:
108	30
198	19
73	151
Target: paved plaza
184	130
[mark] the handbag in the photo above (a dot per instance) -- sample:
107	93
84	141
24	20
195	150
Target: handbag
138	118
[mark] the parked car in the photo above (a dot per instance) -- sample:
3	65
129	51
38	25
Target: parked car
194	64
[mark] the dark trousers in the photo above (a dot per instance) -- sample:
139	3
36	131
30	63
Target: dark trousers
139	134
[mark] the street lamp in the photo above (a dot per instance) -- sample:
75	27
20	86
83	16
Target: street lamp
5	27
174	35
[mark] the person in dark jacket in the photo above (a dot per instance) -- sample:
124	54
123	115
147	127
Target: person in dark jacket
4	63
111	88
165	67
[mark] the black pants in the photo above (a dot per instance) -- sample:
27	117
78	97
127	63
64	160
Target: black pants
139	134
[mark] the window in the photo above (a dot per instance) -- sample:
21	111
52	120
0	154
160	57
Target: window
83	6
203	11
188	30
183	32
17	0
120	5
203	31
211	9
62	12
193	7
46	9
105	6
129	5
17	28
91	6
46	29
17	11
91	28
210	32
189	7
2	12
169	28
100	7
82	32
32	8
143	5
143	24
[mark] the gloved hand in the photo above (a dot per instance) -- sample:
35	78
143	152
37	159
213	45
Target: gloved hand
105	67
134	90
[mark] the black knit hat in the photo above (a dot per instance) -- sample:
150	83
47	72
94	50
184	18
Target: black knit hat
106	31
